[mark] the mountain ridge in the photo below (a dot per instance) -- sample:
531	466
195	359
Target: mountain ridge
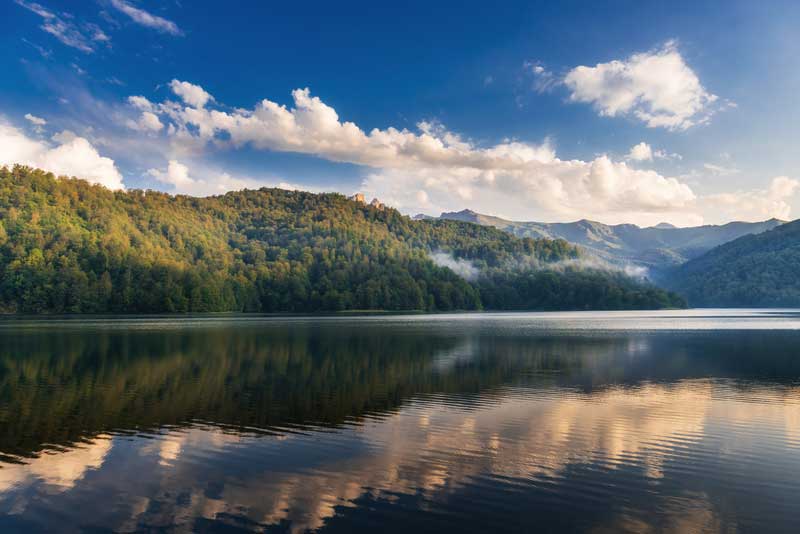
655	247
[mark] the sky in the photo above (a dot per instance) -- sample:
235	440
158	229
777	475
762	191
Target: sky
620	112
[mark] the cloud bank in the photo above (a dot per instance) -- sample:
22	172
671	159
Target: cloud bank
432	169
424	169
758	204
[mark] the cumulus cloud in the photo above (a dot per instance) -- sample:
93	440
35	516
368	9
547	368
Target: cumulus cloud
64	27
600	189
203	181
176	174
147	122
68	155
657	87
431	169
433	163
192	94
644	152
141	103
140	16
641	152
757	204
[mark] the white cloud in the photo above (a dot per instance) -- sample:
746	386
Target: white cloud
148	122
192	94
757	204
37	122
432	169
657	87
81	36
641	152
176	174
644	152
206	181
600	189
141	103
33	119
439	166
36	8
68	155
98	34
67	34
140	16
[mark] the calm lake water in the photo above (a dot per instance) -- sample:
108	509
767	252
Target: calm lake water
681	421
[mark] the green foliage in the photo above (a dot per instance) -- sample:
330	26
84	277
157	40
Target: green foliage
572	289
758	270
67	246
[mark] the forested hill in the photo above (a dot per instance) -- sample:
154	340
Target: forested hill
69	246
756	270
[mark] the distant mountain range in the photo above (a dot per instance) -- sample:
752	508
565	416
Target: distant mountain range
658	247
756	270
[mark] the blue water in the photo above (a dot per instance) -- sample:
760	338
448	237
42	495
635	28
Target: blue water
677	421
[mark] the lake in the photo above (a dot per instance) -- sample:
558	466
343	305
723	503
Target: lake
674	421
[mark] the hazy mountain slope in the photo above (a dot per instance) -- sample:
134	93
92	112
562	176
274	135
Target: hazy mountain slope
755	270
656	246
68	246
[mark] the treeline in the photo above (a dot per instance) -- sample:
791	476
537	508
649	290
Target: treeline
572	289
757	271
67	246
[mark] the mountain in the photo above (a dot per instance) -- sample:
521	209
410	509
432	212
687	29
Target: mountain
69	246
654	247
757	270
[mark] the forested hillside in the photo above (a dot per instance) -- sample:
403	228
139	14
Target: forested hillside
69	246
756	270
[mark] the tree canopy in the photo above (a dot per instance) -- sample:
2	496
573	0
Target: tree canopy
67	246
757	270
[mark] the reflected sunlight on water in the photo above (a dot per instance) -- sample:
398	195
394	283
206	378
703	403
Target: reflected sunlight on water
471	425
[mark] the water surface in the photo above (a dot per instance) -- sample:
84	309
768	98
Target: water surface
685	421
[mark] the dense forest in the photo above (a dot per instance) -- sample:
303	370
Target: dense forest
67	246
758	270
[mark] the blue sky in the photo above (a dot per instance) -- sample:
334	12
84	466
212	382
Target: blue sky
637	112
